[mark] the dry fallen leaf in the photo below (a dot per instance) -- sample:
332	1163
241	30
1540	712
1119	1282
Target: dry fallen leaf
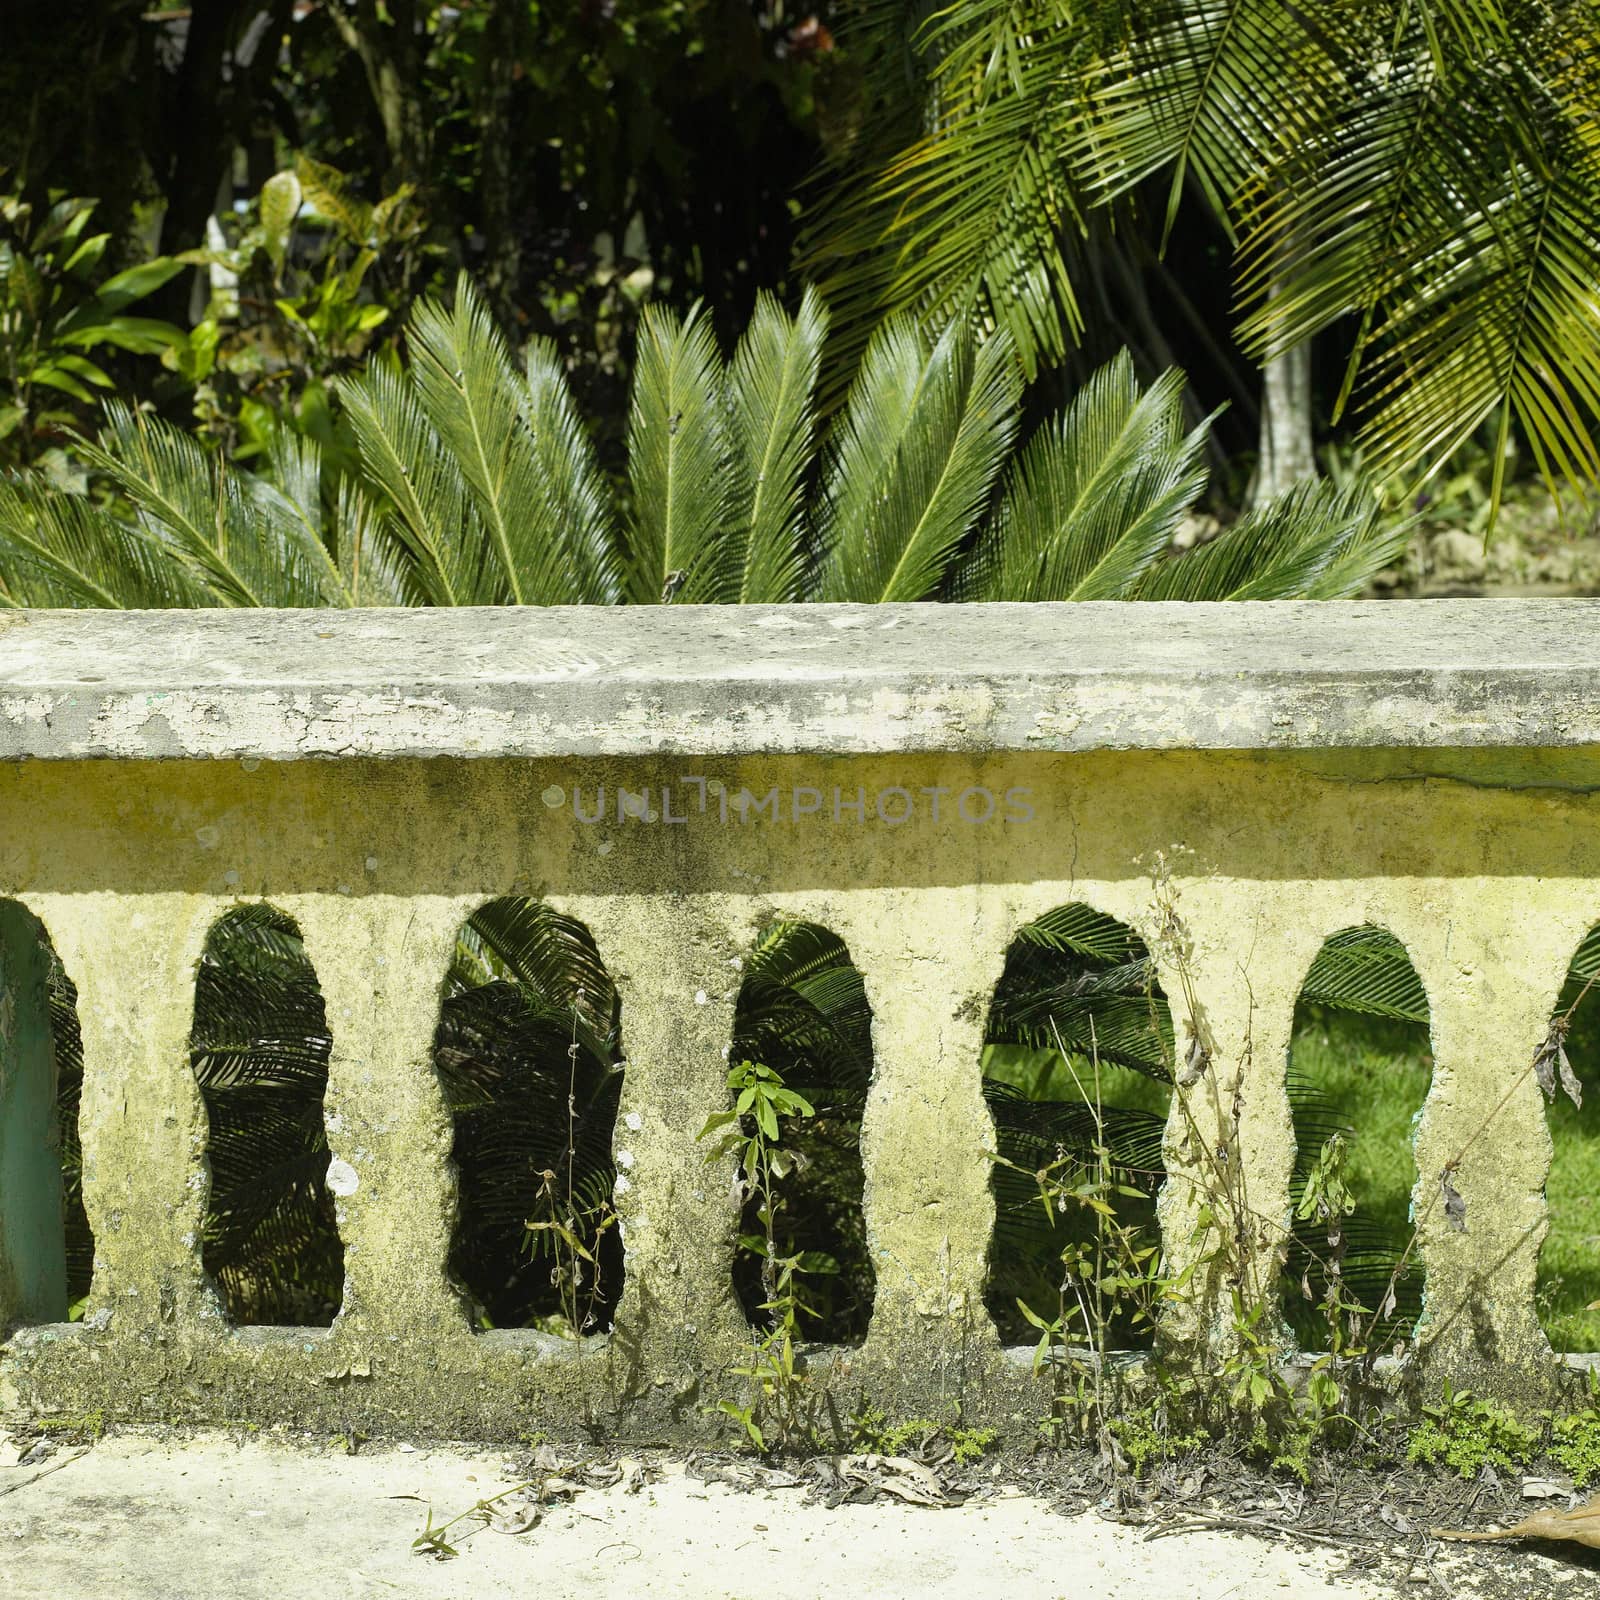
1395	1518
895	1475
1570	1081
1195	1063
1581	1525
514	1518
1543	1489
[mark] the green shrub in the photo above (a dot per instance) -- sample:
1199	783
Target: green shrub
1466	1434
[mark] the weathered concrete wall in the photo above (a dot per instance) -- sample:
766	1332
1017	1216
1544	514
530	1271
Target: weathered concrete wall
1485	864
829	679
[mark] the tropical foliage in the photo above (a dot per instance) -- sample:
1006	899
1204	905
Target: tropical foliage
475	483
1419	181
478	485
59	311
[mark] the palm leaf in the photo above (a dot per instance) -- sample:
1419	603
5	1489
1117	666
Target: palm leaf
803	1010
1095	497
479	407
913	460
1319	541
424	487
678	460
1450	205
1366	970
552	961
1213	90
771	388
579	501
61	550
246	540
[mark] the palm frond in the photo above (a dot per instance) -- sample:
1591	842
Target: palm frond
552	961
771	402
803	1010
1366	970
59	550
913	460
678	460
424	488
259	1049
975	222
579	499
1080	981
481	410
1095	497
1451	207
1318	541
1213	90
248	543
1082	931
533	1130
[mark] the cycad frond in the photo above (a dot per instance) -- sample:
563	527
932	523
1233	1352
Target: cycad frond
550	958
913	460
1082	931
679	455
579	500
771	405
430	504
533	494
470	391
1095	497
372	562
248	542
1319	541
803	1010
60	550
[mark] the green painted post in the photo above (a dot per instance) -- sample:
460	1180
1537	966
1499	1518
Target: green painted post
33	1259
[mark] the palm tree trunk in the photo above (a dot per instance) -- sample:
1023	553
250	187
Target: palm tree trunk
1286	453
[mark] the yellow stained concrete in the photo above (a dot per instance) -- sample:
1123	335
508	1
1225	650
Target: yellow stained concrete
1247	862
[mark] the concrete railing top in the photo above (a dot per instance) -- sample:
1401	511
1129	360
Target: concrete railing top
778	679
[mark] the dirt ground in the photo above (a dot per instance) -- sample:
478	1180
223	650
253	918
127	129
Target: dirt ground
146	1514
1536	549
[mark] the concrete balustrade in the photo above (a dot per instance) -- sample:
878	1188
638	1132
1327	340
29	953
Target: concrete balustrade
1235	783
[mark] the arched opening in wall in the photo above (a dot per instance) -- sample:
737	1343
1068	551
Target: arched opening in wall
528	1051
46	1247
259	1047
1077	1074
800	1065
1360	1062
1568	1069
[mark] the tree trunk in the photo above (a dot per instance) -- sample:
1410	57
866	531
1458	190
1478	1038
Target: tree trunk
196	131
497	166
391	57
1287	456
1286	452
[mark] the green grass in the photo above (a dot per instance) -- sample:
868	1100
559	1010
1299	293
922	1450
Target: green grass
1370	1076
1374	1077
1569	1266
